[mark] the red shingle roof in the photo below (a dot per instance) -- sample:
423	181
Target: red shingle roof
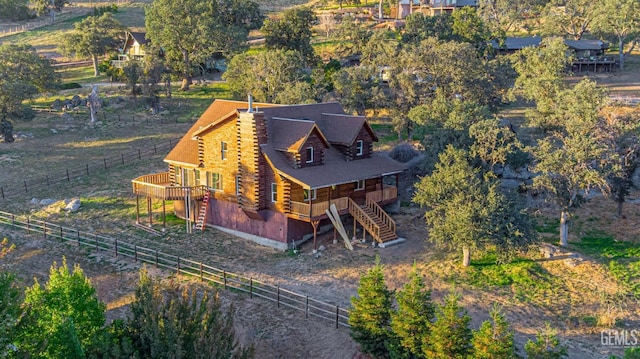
186	151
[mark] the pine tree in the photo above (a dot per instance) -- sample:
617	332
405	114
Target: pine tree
494	339
62	319
411	321
450	334
173	322
546	346
370	317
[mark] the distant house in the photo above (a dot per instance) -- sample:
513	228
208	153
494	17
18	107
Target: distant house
133	48
589	55
269	172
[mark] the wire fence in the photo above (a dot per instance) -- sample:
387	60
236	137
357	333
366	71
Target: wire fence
8	191
228	280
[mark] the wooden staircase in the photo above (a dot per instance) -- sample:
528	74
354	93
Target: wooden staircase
202	214
374	220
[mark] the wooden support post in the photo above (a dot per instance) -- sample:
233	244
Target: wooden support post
137	208
149	211
164	215
315	236
354	228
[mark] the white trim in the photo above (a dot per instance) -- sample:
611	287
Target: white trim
358	188
274	192
359	147
310	160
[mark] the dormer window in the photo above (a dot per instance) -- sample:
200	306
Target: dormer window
359	147
309	154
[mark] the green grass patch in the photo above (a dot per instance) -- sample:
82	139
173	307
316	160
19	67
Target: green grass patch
548	225
622	258
81	75
528	281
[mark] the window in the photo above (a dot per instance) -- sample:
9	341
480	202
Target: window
196	175
274	192
186	178
359	185
306	195
309	154
223	150
237	185
214	181
178	175
359	148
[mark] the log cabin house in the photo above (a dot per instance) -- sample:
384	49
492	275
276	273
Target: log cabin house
269	172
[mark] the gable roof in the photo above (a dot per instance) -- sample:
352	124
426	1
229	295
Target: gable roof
186	151
343	129
290	134
586	44
140	37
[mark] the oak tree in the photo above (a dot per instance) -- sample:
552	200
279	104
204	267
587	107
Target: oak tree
620	20
191	31
93	37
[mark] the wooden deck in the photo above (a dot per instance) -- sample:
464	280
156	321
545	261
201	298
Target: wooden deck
316	210
158	186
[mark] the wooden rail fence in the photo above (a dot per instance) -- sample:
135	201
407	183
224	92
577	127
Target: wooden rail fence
228	280
64	176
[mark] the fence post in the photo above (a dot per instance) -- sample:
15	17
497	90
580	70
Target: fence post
25	186
28	226
61	236
156	258
116	247
44	231
68	175
224	278
178	272
135	252
122	158
78	236
155	150
87	167
201	271
306	308
13	220
105	163
139	155
337	316
95	236
251	287
278	296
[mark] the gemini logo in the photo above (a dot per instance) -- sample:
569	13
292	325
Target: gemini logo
619	337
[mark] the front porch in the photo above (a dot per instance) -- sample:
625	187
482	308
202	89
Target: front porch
315	210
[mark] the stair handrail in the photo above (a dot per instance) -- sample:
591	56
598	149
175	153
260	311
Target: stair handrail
380	213
369	224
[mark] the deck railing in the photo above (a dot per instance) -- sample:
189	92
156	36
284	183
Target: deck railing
317	208
380	213
158	186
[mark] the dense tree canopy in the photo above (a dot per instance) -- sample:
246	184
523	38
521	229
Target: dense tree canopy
23	73
191	31
292	32
579	155
14	10
620	21
569	17
267	76
61	319
94	36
